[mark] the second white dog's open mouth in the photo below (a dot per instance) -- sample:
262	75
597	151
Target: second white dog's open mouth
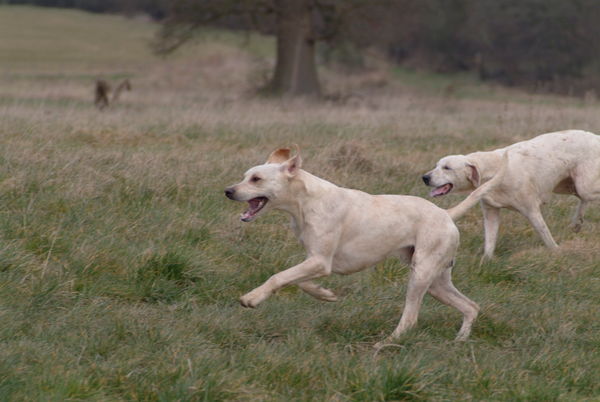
441	190
254	206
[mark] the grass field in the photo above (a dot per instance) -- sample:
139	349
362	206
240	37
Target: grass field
121	261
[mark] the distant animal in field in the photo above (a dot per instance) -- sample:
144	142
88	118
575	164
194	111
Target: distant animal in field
564	162
125	85
102	93
345	231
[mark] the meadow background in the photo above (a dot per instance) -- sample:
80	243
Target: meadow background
121	261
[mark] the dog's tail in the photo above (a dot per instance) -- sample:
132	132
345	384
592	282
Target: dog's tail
459	210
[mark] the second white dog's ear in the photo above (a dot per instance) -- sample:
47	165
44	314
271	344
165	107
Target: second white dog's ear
473	175
292	166
279	155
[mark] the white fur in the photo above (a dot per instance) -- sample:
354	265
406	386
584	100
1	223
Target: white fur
565	162
345	231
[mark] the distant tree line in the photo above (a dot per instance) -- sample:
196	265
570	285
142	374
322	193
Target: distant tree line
553	45
548	44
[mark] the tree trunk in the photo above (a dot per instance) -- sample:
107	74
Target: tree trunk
295	69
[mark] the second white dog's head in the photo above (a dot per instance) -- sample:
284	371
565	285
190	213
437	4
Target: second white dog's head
454	172
267	186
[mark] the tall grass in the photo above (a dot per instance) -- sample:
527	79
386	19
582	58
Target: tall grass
121	261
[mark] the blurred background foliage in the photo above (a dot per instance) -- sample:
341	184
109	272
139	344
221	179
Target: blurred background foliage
542	45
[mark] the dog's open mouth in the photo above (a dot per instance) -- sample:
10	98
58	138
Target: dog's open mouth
254	206
441	190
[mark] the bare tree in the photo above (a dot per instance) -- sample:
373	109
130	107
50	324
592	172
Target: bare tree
295	67
297	24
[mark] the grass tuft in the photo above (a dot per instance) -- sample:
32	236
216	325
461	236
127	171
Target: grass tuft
163	277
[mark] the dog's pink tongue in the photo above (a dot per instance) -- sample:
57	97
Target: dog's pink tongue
441	190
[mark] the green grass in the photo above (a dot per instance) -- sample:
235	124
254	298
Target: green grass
121	261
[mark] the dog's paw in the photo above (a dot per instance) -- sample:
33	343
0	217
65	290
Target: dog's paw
246	303
252	299
486	258
327	295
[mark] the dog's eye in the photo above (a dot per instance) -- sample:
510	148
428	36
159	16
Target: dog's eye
446	168
255	179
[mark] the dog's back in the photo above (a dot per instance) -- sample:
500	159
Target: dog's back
568	143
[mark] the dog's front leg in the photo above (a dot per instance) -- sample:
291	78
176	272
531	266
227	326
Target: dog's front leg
491	224
312	268
537	221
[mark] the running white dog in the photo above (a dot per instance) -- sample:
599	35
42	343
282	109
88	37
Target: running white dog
345	231
565	162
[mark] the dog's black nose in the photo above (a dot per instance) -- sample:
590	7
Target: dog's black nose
229	192
426	179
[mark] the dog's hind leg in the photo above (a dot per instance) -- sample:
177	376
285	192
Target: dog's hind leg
421	277
443	289
317	291
577	220
587	188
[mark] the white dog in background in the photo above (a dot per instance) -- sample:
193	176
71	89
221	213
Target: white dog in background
345	231
565	162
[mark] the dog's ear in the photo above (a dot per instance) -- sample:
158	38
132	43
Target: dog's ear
279	155
292	166
473	175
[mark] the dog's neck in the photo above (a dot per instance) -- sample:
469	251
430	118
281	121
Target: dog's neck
305	188
488	163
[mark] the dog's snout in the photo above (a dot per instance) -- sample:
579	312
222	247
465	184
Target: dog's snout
229	192
426	179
